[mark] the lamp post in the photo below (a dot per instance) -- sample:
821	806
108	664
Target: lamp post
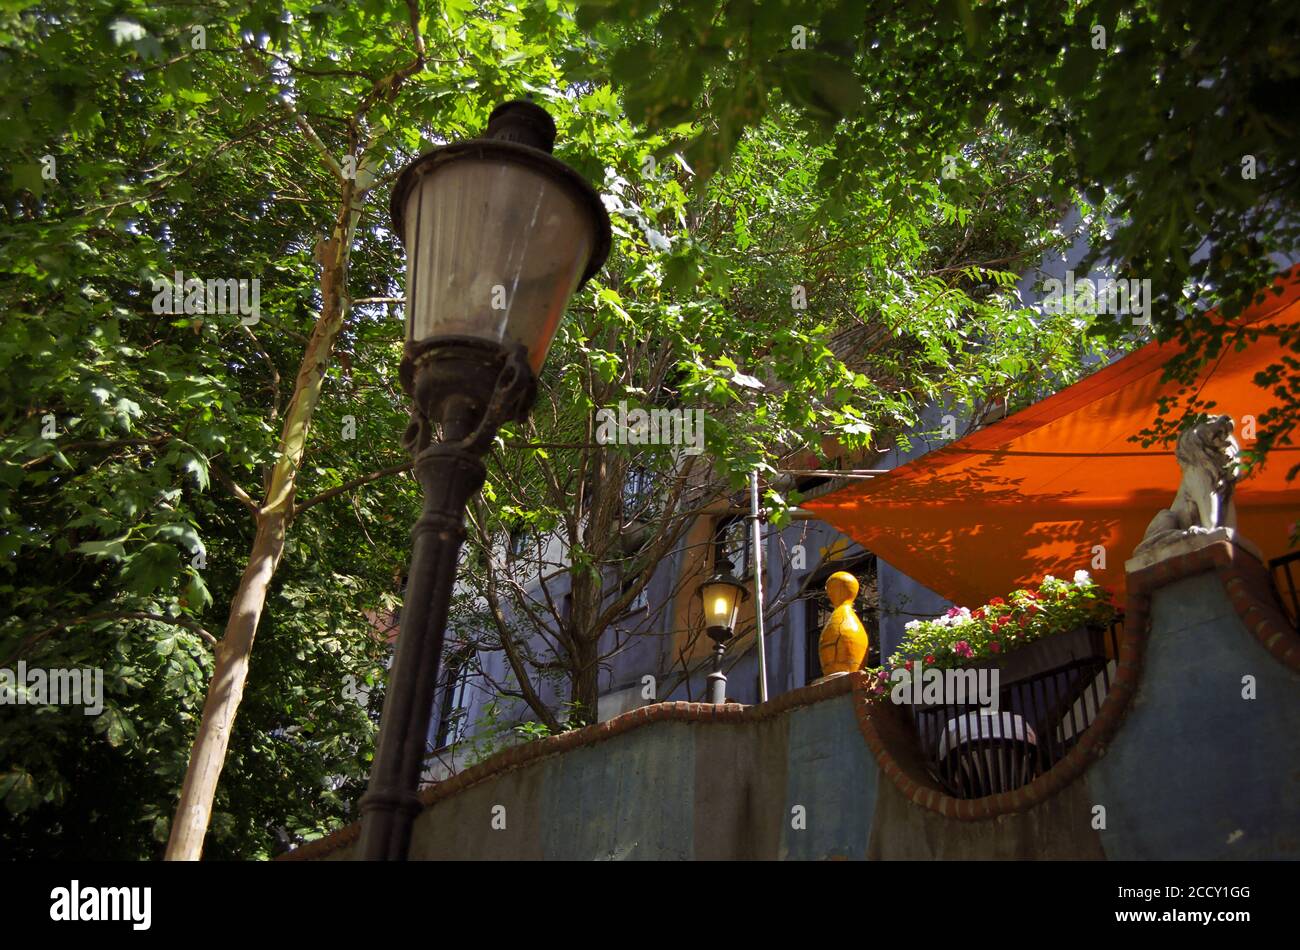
722	595
499	235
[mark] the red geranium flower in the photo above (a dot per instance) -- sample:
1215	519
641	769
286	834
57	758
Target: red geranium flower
995	647
929	658
997	600
979	614
1024	621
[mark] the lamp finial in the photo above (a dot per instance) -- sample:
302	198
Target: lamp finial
524	122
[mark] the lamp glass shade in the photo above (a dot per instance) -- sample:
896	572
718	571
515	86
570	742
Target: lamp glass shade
721	596
495	249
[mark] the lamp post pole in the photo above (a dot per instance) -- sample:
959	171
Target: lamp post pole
499	234
718	679
450	470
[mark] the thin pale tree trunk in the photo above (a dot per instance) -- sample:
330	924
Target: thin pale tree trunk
190	823
226	689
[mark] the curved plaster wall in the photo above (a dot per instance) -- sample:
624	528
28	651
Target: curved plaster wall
1180	763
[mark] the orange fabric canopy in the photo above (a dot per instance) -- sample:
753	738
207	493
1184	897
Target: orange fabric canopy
1034	493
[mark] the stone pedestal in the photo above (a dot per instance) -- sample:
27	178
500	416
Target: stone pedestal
1189	544
823	679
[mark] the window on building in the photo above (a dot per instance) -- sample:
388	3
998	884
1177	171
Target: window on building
453	702
642	600
817	608
399	583
731	545
640	499
519	539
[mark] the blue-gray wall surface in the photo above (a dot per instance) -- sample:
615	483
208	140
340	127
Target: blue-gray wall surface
1198	770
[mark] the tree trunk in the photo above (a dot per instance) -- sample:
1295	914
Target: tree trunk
190	823
585	692
225	692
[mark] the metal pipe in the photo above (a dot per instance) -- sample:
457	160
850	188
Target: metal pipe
835	473
758	585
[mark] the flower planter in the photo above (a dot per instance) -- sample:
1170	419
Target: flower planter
1049	653
1048	688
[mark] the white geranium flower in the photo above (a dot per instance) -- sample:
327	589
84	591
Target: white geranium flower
1082	578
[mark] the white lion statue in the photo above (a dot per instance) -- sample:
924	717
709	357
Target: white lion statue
1207	453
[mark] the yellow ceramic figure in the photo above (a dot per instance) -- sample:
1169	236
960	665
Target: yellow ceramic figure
843	643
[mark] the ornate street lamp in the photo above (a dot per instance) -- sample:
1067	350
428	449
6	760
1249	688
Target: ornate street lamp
722	595
499	235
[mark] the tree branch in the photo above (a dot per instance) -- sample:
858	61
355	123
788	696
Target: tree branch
300	507
110	615
510	649
96	444
232	486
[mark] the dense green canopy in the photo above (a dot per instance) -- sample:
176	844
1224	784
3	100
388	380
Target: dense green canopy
778	175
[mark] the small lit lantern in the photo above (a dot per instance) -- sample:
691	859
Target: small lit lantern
722	596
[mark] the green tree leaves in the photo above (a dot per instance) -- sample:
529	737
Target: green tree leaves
826	239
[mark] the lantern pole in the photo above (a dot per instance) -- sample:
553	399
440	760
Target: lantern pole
466	389
717	679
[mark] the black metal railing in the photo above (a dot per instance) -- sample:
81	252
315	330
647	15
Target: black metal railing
1039	717
1283	570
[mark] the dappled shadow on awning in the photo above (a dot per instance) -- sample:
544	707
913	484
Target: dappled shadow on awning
1059	486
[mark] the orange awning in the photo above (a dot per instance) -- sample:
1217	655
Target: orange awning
1034	493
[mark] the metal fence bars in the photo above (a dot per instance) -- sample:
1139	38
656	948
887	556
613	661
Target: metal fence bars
1048	694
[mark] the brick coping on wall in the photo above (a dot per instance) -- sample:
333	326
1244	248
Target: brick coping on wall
527	753
888	730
